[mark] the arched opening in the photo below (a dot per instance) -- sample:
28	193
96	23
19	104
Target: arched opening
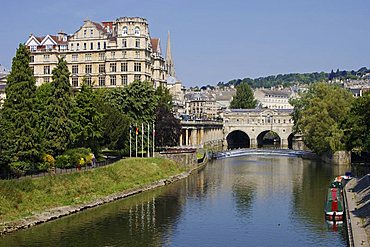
290	141
268	139
237	139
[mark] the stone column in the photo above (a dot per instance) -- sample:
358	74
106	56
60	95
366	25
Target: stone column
181	138
202	135
186	137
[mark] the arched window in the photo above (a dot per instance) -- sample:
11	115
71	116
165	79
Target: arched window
124	31
137	31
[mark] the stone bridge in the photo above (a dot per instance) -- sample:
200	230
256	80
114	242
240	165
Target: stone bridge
246	128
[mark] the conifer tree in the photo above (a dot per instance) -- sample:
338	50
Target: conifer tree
88	120
56	127
244	98
19	142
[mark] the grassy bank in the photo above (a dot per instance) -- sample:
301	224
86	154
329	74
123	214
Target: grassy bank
21	198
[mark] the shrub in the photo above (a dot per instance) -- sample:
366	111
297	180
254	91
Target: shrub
78	156
20	168
63	161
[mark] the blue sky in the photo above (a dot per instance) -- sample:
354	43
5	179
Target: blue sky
216	40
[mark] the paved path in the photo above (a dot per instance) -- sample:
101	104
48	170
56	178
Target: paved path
353	197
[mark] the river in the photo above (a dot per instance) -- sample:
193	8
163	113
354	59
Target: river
240	201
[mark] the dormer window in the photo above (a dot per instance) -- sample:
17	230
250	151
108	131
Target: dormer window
91	32
33	48
85	33
49	47
124	31
137	31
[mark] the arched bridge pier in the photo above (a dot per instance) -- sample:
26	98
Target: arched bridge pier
254	128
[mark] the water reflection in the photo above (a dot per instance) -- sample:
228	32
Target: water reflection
244	201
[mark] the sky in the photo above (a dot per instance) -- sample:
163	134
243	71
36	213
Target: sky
216	40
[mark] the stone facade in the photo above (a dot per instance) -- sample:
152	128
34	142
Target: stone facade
274	99
255	123
110	54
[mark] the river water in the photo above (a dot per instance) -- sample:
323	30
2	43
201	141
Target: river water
241	201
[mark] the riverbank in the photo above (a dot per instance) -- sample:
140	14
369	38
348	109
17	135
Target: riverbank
357	196
29	202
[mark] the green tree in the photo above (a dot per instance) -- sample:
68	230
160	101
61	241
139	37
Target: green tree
244	98
321	115
164	97
88	129
358	126
138	101
19	140
57	126
168	128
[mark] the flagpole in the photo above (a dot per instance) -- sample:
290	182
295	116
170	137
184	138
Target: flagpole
142	140
137	132
148	140
153	139
130	139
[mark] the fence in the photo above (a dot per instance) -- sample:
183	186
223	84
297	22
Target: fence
35	174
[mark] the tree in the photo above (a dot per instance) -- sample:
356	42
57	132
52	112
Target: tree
87	119
167	127
19	140
57	126
358	126
138	101
164	97
321	115
244	98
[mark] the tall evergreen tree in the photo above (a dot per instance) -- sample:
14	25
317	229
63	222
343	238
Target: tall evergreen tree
244	98
88	120
19	142
56	127
168	128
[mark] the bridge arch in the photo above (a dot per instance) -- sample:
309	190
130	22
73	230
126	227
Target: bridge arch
290	141
268	138
238	139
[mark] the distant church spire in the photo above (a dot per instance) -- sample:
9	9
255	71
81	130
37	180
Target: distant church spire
169	60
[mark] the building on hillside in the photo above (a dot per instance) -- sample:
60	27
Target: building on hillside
200	106
274	99
223	97
357	87
107	54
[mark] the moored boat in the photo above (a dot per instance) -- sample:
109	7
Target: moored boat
334	209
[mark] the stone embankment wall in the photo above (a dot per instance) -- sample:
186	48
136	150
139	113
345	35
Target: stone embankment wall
188	159
357	196
338	158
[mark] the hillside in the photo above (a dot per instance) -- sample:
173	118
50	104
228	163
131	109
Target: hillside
287	80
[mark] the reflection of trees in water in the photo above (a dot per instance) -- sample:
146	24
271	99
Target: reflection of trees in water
243	195
146	219
309	193
242	186
140	220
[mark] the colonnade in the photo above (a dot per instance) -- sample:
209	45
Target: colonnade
198	136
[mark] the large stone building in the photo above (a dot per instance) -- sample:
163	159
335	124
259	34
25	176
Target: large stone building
110	54
274	98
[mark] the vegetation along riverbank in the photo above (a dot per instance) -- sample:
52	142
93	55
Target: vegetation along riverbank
27	202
